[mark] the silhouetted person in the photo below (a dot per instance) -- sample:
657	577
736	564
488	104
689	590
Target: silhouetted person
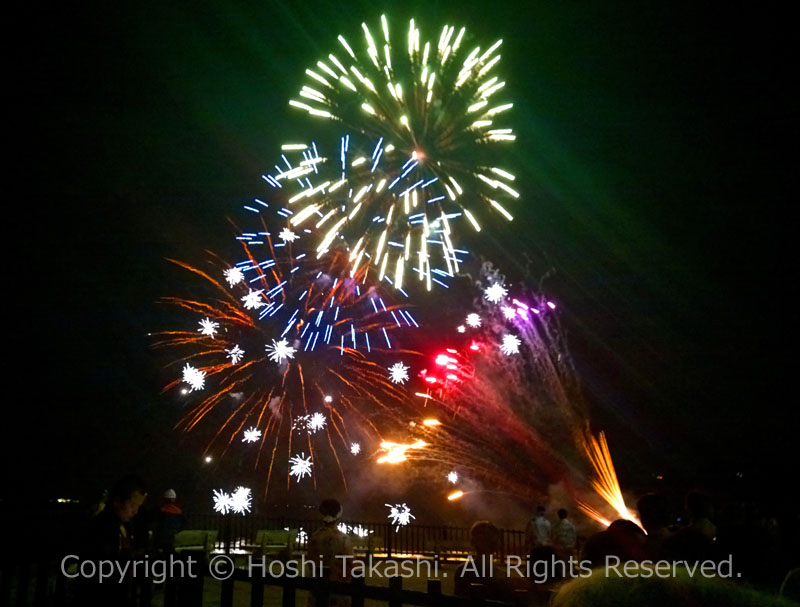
325	544
480	576
701	513
565	538
654	512
694	542
622	539
600	590
109	536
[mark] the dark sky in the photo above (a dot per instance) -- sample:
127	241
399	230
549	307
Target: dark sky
652	154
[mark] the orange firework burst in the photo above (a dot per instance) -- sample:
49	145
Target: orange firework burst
301	383
605	483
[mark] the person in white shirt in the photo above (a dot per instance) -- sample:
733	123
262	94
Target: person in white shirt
564	536
539	531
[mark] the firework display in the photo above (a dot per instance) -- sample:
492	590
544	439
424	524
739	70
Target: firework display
509	408
280	333
436	101
291	354
395	222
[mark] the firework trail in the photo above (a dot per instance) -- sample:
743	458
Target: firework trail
395	222
430	108
605	483
508	413
291	347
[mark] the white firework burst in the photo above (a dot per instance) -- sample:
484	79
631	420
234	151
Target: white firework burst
235	354
280	351
316	422
495	293
234	276
253	300
510	344
398	373
223	502
251	435
452	477
287	235
357	530
461	329
300	466
208	327
194	377
400	515
241	500
508	312
355	448
473	320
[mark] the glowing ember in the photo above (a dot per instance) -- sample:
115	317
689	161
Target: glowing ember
396	452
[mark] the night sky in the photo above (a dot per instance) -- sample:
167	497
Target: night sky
652	154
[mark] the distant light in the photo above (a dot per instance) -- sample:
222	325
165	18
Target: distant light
208	459
455	495
328	399
431	422
461	329
551	305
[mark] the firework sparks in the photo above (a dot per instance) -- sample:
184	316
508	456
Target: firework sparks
300	466
400	515
251	435
455	495
357	530
223	502
452	477
355	448
310	326
605	483
234	276
253	300
287	235
473	320
241	500
495	293
316	422
194	377
390	230
398	373
514	421
280	351
510	345
432	102
235	354
208	327
396	452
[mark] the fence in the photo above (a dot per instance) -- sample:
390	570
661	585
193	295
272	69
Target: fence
43	585
35	580
389	540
